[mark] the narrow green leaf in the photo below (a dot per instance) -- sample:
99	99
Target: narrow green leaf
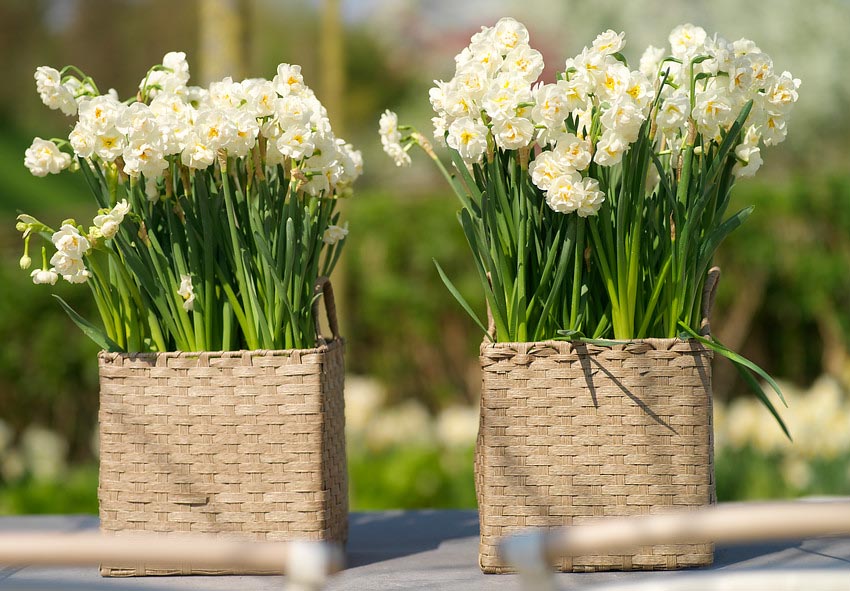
90	330
461	300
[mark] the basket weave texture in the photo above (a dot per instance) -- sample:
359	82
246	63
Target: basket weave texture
245	444
572	431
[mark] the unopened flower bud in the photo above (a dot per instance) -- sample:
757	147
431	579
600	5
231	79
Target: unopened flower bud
25	262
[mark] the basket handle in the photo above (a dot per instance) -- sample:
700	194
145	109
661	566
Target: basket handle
709	290
323	288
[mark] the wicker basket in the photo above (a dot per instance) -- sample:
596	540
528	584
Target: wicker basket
572	431
247	444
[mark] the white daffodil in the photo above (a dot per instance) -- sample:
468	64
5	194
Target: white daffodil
509	34
288	80
513	133
44	277
187	292
546	167
591	198
469	137
44	157
391	138
565	193
52	92
334	234
573	151
609	42
70	242
108	223
610	149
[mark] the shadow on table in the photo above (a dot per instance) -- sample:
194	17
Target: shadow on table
43	584
733	555
375	537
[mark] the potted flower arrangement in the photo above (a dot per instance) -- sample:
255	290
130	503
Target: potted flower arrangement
221	403
593	206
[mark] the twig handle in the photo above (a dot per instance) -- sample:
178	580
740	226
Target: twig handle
709	291
323	287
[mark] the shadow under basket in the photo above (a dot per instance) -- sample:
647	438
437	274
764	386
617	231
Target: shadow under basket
571	432
242	444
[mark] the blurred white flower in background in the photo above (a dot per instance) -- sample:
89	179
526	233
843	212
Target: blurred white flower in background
457	426
43	453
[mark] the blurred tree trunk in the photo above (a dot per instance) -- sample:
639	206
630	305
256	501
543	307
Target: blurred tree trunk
332	64
221	39
332	80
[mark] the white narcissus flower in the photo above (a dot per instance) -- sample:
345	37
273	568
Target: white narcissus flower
613	81
44	277
687	41
110	144
108	223
197	154
624	119
245	138
610	149
53	93
565	193
72	269
673	112
215	128
469	137
509	34
143	157
44	157
171	78
70	242
550	108
591	198
609	42
391	138
288	80
334	234
296	143
82	140
782	94
774	130
712	111
546	167
650	61
748	155
524	61
187	292
101	113
573	151
513	133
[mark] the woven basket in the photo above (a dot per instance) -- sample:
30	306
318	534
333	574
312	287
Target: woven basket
572	431
244	444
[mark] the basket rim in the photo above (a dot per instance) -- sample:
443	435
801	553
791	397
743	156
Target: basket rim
325	346
655	343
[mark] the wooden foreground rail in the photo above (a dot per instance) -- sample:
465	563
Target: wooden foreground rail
532	551
306	564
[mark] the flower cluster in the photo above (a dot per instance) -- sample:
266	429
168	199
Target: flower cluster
710	80
197	126
490	92
595	111
391	138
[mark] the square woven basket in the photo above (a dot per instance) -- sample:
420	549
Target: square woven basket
571	432
244	444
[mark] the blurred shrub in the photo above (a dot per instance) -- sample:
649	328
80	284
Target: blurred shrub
402	325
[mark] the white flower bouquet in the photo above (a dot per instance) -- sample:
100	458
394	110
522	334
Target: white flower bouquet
217	208
593	205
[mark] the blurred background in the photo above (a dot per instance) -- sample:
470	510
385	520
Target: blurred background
413	382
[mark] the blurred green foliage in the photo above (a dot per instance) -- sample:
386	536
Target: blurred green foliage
76	493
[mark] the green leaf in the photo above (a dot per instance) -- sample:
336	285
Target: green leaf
460	299
90	330
742	364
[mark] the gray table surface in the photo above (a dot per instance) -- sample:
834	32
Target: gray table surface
435	550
